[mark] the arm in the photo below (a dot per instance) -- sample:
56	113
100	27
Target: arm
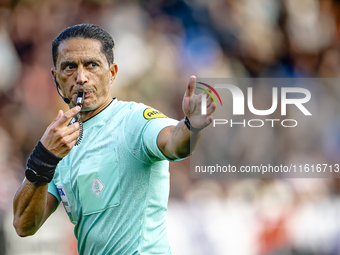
174	142
32	203
32	206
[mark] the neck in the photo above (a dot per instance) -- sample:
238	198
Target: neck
84	116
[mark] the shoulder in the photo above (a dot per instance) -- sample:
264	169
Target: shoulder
138	111
128	106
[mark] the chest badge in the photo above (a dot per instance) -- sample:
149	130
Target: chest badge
97	187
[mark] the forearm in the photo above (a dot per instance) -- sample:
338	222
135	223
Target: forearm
32	202
29	205
182	142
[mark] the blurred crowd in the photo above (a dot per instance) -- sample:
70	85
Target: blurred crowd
159	44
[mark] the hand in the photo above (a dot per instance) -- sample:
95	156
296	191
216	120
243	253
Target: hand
60	138
192	106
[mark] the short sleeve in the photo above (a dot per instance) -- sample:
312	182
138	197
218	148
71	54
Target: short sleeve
142	127
151	133
53	190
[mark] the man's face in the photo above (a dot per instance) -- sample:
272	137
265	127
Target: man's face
81	66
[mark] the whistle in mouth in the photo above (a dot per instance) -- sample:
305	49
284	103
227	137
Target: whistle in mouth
80	98
79	101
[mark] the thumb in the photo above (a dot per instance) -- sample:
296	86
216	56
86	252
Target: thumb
60	113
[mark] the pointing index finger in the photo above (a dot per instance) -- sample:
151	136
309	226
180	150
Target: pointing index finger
68	115
191	86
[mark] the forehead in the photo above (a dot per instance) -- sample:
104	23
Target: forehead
77	49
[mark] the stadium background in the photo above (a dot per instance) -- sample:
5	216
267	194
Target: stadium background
159	44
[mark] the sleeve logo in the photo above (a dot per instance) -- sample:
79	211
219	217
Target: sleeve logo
150	113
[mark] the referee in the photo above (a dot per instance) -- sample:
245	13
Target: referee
114	185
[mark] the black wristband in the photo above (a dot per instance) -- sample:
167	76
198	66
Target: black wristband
43	162
191	128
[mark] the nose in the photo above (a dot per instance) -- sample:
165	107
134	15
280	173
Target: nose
81	76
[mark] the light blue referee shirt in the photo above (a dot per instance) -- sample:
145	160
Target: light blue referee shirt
115	184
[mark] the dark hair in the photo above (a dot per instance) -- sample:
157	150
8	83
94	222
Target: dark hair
86	31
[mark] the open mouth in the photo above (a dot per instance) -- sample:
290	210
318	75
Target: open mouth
87	94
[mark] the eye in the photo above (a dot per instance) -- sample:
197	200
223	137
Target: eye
69	67
92	64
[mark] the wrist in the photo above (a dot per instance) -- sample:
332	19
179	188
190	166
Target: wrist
33	177
191	128
41	165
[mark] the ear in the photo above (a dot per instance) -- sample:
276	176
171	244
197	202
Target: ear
113	72
54	75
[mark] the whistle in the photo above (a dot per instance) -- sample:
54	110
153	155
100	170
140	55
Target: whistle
79	101
80	98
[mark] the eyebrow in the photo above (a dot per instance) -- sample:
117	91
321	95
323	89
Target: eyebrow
85	61
96	60
66	63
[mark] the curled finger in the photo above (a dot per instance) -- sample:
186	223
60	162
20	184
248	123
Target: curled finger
211	108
